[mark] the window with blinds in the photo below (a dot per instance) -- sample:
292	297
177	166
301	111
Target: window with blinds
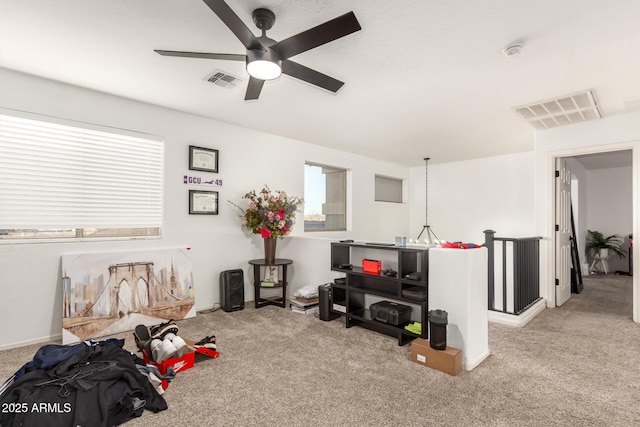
61	179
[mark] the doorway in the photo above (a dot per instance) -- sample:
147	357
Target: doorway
604	195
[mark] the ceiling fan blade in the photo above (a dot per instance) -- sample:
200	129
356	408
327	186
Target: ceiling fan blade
253	88
235	24
308	75
228	56
317	36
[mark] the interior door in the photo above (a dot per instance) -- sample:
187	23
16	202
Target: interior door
563	232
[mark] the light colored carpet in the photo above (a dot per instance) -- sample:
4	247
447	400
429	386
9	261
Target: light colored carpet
577	365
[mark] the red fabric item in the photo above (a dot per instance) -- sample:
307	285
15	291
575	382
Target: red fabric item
460	245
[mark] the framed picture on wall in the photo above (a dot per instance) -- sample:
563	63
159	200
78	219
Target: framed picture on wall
203	159
203	202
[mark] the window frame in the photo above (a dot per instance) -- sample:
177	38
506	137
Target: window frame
345	190
400	181
63	231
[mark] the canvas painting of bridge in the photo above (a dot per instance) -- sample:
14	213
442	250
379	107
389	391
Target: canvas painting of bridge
109	293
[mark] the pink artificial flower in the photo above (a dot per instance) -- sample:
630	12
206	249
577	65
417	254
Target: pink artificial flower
281	215
266	233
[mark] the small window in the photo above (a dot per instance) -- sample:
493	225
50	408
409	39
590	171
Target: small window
388	189
325	198
62	179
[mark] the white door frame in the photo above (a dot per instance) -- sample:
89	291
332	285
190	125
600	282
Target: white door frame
551	206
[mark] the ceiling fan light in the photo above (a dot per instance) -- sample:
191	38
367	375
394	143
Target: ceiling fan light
264	70
263	65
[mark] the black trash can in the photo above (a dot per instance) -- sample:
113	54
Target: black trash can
438	329
325	302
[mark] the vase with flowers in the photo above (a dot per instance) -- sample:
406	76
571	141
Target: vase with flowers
271	214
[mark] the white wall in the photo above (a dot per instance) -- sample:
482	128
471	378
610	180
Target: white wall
510	194
513	194
468	197
602	201
609	207
619	132
30	284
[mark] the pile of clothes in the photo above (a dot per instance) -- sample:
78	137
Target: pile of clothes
93	383
308	293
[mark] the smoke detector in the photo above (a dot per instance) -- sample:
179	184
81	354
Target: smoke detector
512	50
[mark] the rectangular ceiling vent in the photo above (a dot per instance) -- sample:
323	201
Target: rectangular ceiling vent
565	110
224	79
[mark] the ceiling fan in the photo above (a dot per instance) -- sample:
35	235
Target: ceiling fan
267	59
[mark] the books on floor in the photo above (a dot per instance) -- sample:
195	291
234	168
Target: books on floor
306	300
308	310
308	306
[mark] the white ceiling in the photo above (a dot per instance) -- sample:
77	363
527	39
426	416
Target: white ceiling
610	159
423	78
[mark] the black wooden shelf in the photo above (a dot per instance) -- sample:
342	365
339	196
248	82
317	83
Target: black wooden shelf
358	284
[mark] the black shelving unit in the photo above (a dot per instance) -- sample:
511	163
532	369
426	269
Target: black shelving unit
351	293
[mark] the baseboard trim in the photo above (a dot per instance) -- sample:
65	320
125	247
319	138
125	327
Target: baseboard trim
469	365
42	340
518	321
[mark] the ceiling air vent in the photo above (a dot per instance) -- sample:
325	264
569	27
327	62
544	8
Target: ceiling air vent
564	110
223	79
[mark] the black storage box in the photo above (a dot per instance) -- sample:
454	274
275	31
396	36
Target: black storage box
390	312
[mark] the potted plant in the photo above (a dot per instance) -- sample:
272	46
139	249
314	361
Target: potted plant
599	245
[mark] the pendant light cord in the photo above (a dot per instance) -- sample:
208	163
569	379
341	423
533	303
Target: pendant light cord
426	191
431	236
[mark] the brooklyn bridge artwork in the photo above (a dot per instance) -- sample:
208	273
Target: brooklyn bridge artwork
109	293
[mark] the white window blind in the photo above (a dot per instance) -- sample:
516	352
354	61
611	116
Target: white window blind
58	176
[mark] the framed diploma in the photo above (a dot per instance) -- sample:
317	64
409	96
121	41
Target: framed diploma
203	159
203	202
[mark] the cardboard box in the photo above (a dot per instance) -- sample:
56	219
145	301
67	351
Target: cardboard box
448	360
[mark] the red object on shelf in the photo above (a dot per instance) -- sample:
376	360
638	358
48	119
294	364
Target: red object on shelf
459	245
371	266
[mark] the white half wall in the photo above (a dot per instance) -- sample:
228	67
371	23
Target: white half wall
30	284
